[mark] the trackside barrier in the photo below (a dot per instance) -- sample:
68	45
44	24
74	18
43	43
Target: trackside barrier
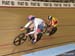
22	3
55	51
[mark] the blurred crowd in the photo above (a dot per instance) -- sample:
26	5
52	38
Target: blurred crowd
67	1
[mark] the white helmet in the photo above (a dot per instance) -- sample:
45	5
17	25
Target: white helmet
49	17
31	17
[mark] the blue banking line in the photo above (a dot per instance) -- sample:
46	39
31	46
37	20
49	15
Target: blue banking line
53	51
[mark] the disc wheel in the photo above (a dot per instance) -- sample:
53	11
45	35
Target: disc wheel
53	31
39	36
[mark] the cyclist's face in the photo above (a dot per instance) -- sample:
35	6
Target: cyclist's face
31	21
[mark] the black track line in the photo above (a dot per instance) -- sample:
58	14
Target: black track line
36	48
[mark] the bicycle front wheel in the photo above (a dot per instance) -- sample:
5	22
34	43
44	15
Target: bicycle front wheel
20	39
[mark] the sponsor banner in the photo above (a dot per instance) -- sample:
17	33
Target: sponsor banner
22	3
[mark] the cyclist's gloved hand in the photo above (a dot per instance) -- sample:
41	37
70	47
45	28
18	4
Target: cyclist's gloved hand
22	28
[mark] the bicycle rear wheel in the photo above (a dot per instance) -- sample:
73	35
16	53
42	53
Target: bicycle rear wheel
53	31
20	39
50	31
39	36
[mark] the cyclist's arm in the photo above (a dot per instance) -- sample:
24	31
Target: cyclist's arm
27	24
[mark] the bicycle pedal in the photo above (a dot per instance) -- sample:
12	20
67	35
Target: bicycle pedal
33	42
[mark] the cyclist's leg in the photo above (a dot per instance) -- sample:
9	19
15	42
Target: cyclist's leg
41	27
49	28
35	36
29	29
39	30
54	29
31	26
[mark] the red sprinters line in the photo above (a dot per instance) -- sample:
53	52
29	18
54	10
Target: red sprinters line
5	45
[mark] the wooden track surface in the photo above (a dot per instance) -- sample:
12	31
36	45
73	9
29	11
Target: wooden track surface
12	18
